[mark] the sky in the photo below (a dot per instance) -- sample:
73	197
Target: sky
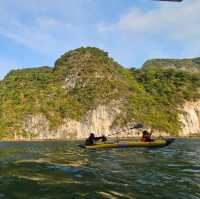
36	32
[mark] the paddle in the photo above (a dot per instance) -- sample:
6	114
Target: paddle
135	126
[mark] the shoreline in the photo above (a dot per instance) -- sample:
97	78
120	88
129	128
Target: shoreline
82	139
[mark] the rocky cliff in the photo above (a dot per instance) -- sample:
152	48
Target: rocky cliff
87	91
190	119
100	122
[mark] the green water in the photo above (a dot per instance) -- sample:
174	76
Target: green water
62	170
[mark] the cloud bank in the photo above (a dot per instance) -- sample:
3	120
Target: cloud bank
178	24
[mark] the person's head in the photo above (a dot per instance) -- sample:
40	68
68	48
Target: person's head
92	135
145	133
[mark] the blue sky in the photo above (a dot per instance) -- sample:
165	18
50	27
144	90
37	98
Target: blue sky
36	32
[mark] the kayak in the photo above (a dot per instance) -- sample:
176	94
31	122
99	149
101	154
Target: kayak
130	144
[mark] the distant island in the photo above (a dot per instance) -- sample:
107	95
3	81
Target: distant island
87	91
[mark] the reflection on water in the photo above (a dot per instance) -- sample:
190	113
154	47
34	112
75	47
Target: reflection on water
50	170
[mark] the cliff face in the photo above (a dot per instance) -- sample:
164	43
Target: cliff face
87	91
190	119
99	121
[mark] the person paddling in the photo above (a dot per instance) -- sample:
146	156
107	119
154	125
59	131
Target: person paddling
146	136
92	139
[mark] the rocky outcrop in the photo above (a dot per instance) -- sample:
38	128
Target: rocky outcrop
99	121
37	126
70	82
190	119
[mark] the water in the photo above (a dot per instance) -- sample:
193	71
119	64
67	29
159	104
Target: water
51	170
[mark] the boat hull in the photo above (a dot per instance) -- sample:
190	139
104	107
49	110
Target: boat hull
130	144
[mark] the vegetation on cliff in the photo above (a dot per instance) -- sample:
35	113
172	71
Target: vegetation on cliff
192	65
84	78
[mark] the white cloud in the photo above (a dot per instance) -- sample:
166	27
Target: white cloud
172	22
41	34
43	25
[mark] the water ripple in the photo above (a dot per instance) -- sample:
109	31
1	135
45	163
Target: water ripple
50	170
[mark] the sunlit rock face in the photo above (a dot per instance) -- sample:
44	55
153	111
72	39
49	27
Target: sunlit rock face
37	125
190	119
98	121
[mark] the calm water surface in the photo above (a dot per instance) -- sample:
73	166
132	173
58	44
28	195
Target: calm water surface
50	170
